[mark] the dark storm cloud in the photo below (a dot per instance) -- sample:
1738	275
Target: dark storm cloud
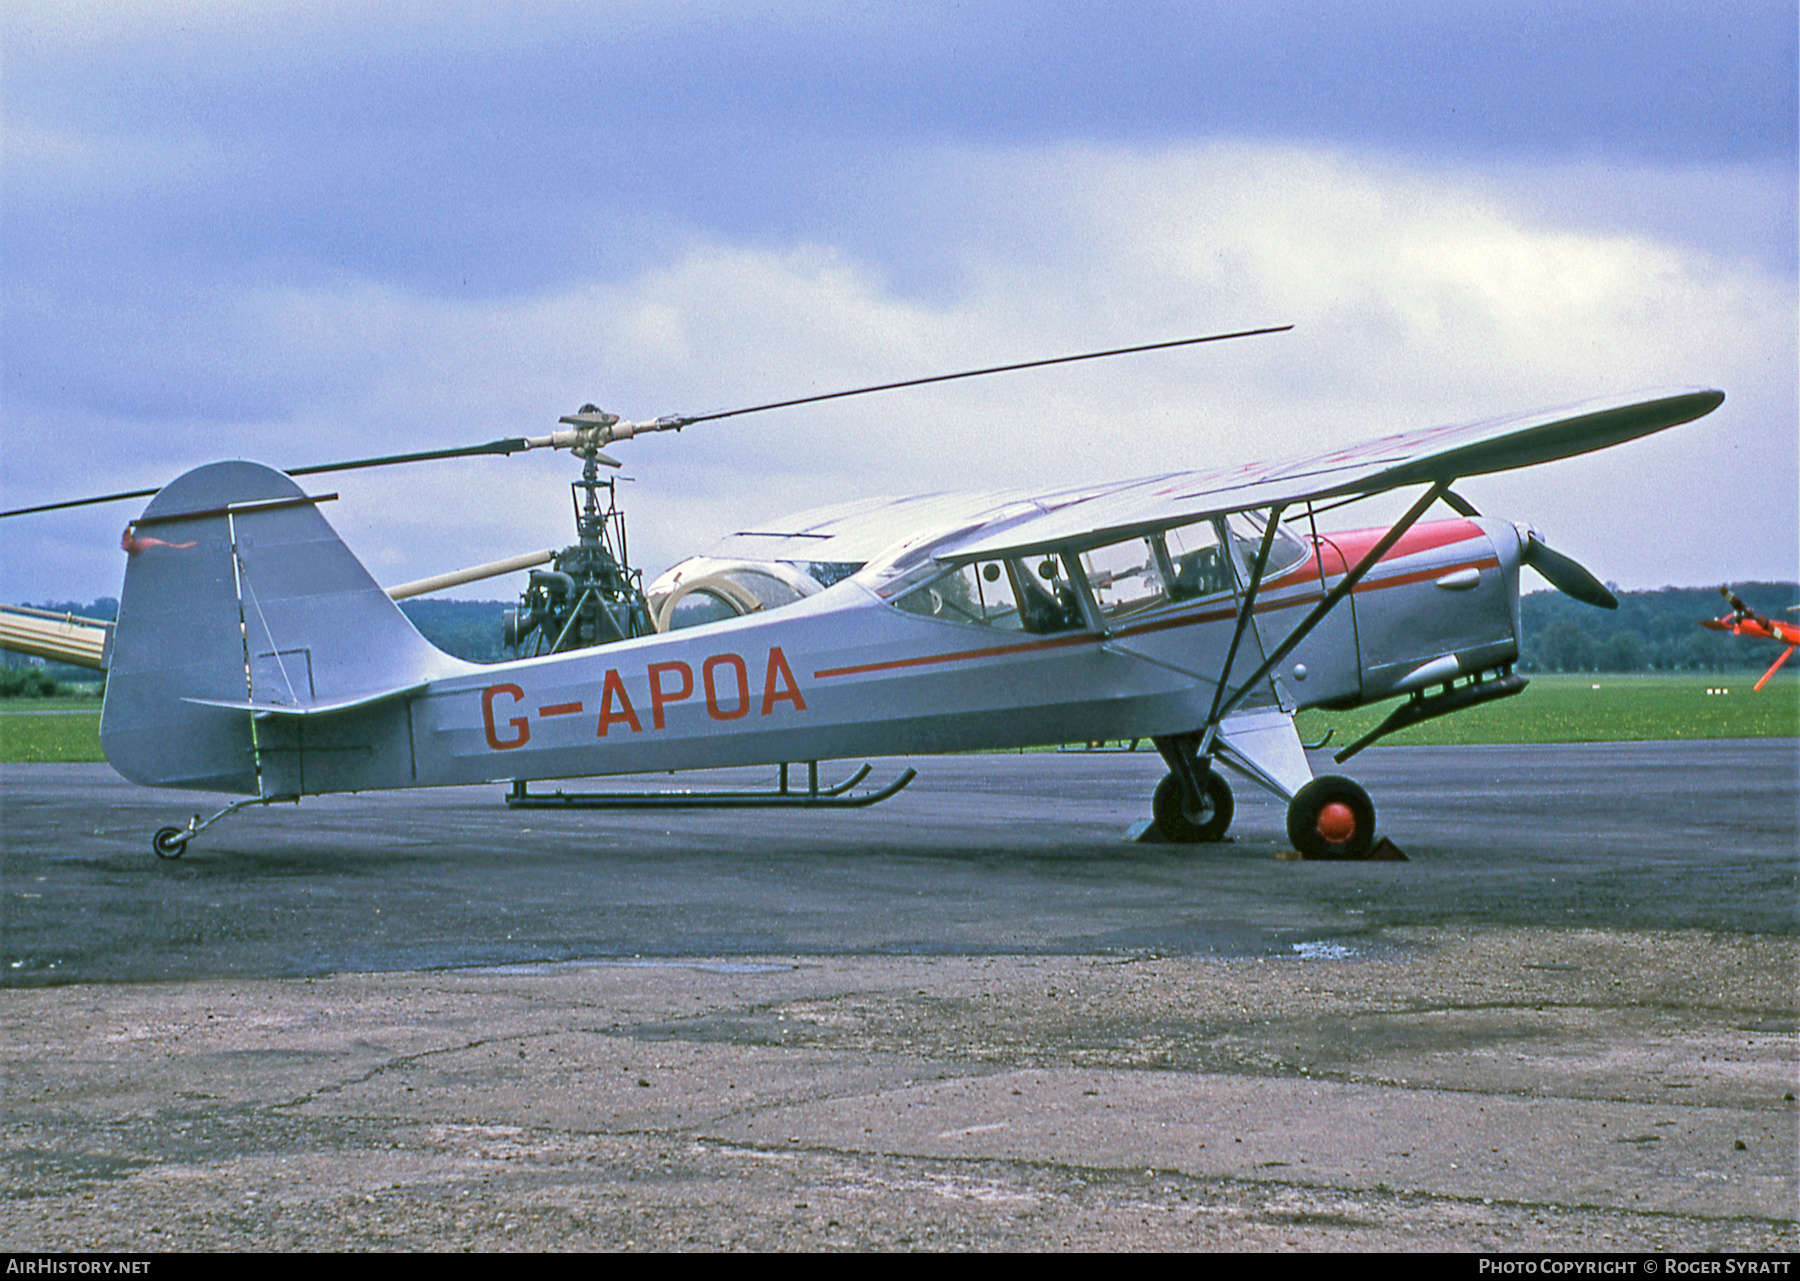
308	231
464	147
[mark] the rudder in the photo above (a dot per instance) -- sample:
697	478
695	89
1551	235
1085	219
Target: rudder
240	603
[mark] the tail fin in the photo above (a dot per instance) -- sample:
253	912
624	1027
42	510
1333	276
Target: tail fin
240	601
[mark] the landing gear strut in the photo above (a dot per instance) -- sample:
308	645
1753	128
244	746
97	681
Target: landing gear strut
1331	817
172	842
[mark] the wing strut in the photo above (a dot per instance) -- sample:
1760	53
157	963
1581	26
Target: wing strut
1243	622
1190	755
1325	606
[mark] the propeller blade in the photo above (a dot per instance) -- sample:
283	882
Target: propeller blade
1458	504
1566	575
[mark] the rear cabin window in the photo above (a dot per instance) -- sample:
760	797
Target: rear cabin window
1015	595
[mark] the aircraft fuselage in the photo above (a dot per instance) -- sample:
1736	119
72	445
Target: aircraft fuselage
848	674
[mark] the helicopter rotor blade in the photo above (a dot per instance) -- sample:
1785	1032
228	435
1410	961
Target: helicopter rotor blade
977	373
77	502
474	574
511	445
592	428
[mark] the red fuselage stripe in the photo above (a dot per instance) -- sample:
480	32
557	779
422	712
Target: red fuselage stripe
1058	642
1141	629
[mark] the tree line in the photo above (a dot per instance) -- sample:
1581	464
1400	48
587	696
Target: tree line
1656	631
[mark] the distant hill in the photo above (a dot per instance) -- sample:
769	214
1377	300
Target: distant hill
469	629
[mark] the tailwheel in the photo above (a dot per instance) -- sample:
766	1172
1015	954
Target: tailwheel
169	842
1178	820
1332	817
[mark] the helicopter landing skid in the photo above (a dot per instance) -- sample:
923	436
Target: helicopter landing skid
813	797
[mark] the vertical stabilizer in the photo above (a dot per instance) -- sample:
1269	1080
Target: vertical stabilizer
240	601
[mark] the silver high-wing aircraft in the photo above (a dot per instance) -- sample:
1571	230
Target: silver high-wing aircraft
255	655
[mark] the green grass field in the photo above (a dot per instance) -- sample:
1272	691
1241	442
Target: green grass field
1595	709
50	729
1555	709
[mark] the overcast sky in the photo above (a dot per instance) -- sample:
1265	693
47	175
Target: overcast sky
307	232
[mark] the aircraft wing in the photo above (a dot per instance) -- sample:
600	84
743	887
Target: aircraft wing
861	530
1435	453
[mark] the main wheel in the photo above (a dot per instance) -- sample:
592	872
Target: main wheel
1331	817
1177	820
169	842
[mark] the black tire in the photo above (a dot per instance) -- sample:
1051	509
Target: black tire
169	842
1178	823
1307	814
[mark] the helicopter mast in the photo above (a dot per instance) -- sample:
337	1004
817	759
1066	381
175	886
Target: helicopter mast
592	596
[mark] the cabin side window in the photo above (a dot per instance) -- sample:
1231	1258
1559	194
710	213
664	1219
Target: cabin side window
1047	600
1016	595
1197	562
1126	577
980	593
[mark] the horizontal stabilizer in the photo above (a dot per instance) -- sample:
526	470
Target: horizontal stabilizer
319	708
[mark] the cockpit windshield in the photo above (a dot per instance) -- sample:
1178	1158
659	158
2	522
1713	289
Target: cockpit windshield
1042	592
704	589
1246	530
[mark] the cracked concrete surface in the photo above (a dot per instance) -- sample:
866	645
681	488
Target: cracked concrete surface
970	1018
1487	1088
